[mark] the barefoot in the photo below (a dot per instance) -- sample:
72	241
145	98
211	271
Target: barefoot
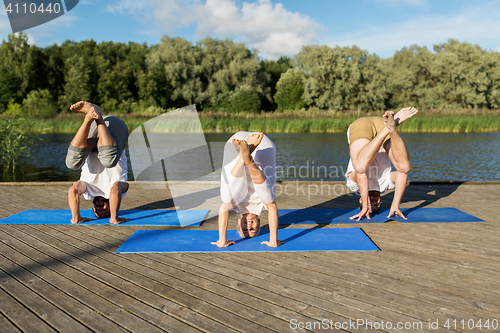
254	140
81	106
84	107
403	114
389	121
94	114
80	220
118	220
243	149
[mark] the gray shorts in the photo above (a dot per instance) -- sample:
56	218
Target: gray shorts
107	155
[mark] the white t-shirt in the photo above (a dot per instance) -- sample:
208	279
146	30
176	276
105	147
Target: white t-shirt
240	190
379	174
98	179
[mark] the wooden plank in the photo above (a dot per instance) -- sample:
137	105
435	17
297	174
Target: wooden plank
96	293
6	325
22	317
441	298
285	276
349	285
33	278
45	310
129	282
488	284
447	264
189	286
259	290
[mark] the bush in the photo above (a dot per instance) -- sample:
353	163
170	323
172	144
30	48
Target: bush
13	142
246	99
38	104
289	91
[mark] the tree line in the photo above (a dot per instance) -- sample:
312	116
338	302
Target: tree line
221	75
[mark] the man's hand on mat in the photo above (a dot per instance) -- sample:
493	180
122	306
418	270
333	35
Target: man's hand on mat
221	243
364	212
80	220
273	243
396	212
118	220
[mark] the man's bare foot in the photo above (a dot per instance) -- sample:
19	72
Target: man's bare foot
243	149
83	106
389	121
254	140
80	220
403	114
118	220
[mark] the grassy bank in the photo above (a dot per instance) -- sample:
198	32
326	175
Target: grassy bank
455	121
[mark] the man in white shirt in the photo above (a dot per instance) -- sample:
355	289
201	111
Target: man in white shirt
248	186
98	148
374	143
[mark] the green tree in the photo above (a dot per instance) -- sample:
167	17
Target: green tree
208	73
332	76
289	91
38	104
245	99
275	68
460	72
77	79
18	67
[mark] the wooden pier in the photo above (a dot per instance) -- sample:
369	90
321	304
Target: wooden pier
428	277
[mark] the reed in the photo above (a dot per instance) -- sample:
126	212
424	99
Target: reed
311	121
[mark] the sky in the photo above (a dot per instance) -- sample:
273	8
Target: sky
277	28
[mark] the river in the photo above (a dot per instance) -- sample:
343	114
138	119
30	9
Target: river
305	156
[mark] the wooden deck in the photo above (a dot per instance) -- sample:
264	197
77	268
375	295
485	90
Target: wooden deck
67	278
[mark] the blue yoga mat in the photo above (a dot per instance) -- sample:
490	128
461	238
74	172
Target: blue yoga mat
136	217
315	239
341	216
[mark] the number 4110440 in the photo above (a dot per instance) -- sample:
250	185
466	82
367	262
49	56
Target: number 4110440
33	8
472	324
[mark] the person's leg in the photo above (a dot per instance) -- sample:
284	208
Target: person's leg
246	149
80	145
364	146
113	134
396	148
399	156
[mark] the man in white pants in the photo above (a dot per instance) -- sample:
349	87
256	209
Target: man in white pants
248	186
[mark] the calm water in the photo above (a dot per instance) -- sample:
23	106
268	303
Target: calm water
435	157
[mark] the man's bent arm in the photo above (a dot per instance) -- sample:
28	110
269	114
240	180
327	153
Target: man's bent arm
74	193
223	222
273	226
362	180
115	199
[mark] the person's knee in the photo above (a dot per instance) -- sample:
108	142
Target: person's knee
272	207
403	176
108	164
115	189
404	168
360	167
74	163
74	189
225	207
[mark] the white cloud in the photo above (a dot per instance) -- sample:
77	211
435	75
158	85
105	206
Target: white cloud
270	28
480	25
